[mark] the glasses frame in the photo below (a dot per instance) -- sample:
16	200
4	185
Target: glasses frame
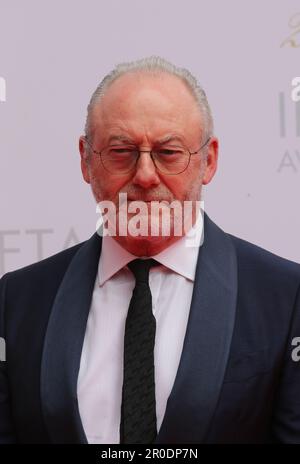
99	153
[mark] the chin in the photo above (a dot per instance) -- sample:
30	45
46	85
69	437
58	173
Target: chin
146	245
143	245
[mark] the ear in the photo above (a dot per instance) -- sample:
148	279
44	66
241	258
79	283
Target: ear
211	161
83	147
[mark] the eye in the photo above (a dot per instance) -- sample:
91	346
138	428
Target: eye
121	151
169	151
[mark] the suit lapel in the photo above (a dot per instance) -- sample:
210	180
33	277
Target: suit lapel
63	345
199	378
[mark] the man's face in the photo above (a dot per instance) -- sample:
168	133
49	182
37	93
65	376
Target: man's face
145	110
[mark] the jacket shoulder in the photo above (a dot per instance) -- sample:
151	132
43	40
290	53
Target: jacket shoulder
252	257
53	265
25	291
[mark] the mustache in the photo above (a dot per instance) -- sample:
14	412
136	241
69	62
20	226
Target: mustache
148	195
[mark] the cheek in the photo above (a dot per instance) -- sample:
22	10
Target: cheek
195	166
176	185
186	185
105	186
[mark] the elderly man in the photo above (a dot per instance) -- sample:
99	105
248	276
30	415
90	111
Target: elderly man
138	337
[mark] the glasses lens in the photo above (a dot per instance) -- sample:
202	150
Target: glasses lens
171	160
119	159
122	159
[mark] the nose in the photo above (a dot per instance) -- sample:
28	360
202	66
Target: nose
145	172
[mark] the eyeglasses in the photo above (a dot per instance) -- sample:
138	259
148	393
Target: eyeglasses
122	159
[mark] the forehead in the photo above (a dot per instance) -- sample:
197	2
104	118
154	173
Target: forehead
142	105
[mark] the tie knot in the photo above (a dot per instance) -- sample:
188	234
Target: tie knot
141	267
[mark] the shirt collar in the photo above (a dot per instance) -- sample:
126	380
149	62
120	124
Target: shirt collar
181	257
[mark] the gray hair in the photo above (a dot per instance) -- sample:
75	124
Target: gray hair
155	65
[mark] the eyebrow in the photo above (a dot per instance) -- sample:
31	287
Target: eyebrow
165	139
120	138
170	138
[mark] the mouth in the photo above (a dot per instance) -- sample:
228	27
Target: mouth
148	200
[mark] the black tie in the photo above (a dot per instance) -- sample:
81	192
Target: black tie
138	411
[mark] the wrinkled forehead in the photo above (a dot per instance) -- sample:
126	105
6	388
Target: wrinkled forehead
153	103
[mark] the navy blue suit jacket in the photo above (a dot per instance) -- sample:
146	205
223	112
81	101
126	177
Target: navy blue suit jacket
236	381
